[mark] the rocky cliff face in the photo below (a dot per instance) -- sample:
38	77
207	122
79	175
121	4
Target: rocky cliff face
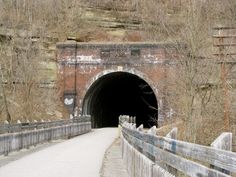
105	23
93	23
97	22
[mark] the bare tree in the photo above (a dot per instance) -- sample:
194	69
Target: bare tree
29	26
194	89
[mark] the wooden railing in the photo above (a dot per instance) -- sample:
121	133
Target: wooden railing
26	126
125	118
10	142
166	155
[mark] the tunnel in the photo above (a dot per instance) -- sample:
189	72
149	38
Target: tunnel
120	93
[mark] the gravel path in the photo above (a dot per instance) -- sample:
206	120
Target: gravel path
113	165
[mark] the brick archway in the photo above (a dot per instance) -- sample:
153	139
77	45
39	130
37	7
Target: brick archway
81	64
149	118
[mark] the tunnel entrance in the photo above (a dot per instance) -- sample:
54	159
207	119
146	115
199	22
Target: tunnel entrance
120	93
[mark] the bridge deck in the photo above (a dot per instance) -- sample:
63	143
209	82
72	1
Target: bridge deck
80	156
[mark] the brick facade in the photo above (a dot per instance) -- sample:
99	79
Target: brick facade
81	64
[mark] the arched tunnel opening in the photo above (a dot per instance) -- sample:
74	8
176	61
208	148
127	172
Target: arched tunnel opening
120	93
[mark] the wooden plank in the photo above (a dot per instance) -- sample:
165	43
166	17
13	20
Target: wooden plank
151	139
188	167
217	157
224	142
160	172
134	133
138	144
148	151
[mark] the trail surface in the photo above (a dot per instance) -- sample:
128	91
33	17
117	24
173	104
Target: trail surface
81	156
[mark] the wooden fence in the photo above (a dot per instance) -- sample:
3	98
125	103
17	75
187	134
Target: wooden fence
24	126
148	155
10	142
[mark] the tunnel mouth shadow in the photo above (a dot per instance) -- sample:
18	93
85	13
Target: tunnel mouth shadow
120	93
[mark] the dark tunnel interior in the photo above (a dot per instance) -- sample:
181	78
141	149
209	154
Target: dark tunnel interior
120	93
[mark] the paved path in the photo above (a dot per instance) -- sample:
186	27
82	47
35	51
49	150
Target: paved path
113	165
81	156
16	155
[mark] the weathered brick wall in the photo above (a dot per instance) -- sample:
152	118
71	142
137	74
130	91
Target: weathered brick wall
81	64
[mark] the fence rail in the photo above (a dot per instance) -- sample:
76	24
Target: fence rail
174	156
26	126
10	142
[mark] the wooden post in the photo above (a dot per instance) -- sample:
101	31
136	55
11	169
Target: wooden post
224	142
140	128
151	131
173	135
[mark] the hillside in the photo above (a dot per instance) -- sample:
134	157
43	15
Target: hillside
30	29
